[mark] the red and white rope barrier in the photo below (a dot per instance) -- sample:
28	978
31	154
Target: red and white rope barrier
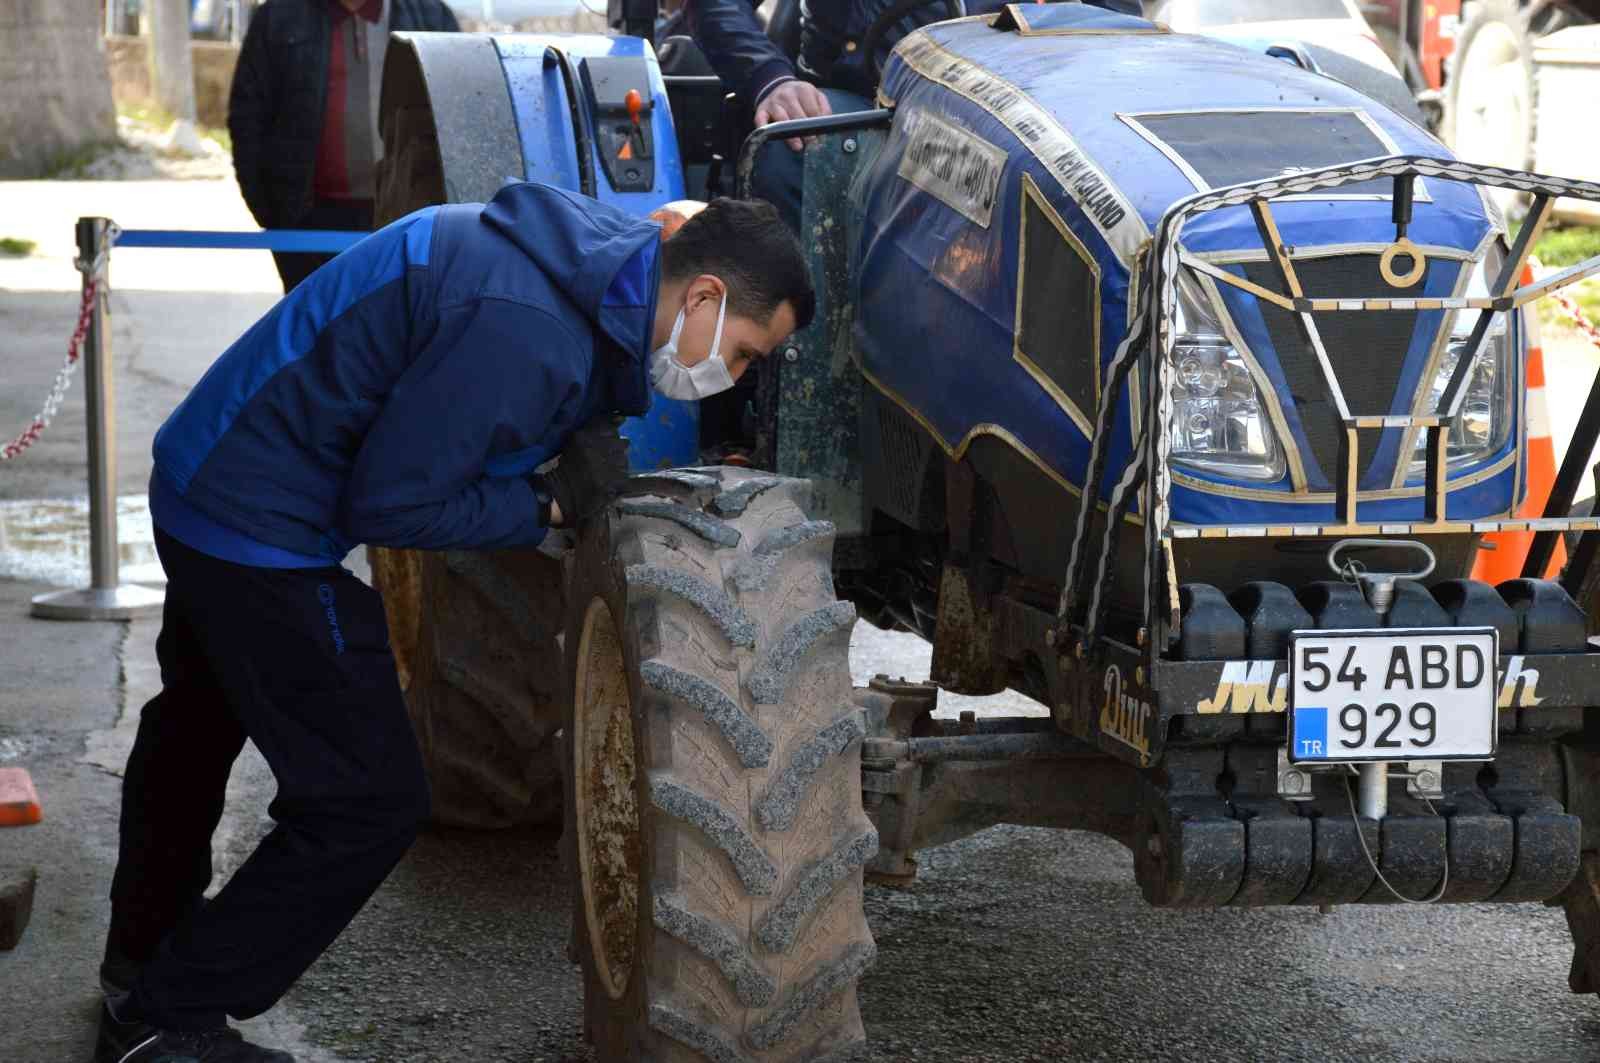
1574	313
92	272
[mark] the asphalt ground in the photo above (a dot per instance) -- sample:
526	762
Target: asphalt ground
1016	944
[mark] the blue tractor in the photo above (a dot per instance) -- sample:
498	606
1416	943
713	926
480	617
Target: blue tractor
1172	384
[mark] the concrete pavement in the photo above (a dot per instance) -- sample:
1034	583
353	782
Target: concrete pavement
172	313
46	212
70	696
57	685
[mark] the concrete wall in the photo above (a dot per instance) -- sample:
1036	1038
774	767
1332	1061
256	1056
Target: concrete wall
55	97
213	75
1567	66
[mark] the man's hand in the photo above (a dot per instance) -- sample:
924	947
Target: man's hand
792	99
591	472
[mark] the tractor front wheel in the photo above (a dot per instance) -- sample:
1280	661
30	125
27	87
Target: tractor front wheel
714	826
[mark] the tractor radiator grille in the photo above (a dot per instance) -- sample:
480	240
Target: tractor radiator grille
902	460
1367	349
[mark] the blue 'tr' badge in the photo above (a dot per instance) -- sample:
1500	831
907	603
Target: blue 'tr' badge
1310	734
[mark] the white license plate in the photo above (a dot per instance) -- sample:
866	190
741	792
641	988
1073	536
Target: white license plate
1393	694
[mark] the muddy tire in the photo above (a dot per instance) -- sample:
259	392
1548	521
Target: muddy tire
476	640
714	827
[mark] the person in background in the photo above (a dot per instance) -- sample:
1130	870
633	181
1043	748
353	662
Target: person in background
303	112
830	74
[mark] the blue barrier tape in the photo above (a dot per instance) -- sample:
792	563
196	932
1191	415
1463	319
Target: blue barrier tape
325	241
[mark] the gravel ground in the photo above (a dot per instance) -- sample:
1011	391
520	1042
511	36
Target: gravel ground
1015	944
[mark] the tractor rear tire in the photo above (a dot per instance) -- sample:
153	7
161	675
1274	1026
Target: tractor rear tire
476	640
714	825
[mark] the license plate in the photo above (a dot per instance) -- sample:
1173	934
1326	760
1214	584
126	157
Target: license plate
1392	694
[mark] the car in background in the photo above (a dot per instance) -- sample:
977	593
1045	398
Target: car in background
209	20
220	20
1336	25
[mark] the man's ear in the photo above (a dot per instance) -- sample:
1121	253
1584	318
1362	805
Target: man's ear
705	286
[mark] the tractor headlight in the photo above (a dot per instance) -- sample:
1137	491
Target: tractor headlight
1484	423
1219	422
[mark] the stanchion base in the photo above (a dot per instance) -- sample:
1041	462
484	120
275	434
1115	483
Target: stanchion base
127	602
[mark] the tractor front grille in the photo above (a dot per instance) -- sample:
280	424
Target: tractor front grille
1367	349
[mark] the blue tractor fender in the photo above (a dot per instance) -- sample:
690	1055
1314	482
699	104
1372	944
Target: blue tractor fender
461	114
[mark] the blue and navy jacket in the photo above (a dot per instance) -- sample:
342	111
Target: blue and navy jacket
401	395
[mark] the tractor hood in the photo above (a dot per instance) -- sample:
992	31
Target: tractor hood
1031	156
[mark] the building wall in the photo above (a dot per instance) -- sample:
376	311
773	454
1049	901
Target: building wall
213	75
53	83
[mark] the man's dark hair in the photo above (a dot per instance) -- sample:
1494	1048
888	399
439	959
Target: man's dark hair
745	243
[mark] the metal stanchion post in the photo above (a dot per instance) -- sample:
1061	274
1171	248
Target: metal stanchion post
106	598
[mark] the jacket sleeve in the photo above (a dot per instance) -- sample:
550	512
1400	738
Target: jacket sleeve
823	31
250	111
444	20
490	396
736	46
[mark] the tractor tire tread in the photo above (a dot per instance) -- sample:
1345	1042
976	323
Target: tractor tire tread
754	800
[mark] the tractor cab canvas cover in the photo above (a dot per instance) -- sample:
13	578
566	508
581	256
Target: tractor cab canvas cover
1002	232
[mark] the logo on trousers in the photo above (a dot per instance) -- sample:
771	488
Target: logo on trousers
325	596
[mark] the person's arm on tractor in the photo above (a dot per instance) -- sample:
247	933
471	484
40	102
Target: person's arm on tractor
250	111
822	37
448	464
440	19
738	49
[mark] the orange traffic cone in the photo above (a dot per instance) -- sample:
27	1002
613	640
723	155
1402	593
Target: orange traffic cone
1511	548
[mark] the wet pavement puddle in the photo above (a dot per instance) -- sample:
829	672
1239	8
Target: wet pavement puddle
47	541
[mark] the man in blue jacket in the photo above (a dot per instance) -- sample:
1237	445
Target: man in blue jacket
403	396
831	73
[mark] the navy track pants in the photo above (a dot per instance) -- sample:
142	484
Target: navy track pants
298	661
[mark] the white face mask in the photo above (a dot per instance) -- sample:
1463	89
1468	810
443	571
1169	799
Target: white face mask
704	378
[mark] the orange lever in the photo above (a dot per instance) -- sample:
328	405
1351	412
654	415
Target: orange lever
635	104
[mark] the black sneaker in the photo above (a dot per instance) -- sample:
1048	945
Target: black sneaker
139	1042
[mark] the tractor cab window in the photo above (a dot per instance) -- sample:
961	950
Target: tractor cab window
1058	308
